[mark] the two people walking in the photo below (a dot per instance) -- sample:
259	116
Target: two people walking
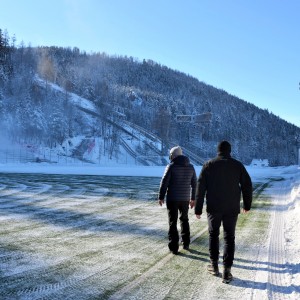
221	182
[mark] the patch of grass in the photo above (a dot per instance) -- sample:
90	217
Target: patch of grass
259	199
261	202
277	179
260	188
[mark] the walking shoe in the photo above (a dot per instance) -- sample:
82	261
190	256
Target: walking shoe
213	269
227	276
186	246
173	249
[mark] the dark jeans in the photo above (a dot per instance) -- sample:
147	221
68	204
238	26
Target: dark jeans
229	224
173	208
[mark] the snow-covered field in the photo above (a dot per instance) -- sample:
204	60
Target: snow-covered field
75	233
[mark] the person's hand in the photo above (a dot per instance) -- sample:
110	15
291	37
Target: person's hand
192	203
161	202
198	216
244	211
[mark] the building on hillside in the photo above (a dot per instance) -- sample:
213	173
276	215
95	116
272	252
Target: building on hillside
260	162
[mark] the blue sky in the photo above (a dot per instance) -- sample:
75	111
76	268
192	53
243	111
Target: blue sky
250	49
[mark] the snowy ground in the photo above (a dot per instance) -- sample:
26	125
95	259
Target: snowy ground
74	233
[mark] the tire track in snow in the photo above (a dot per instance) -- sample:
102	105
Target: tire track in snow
292	231
13	190
52	291
278	286
20	204
127	288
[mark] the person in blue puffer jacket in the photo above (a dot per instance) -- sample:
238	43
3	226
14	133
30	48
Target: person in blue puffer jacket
179	185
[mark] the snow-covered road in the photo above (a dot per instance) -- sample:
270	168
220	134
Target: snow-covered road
282	272
105	237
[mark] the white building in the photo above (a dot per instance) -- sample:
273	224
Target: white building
260	162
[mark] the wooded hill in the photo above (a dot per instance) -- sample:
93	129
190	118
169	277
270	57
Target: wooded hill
143	92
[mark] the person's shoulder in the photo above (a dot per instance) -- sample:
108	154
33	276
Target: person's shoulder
181	160
188	162
168	166
236	161
239	164
211	161
191	166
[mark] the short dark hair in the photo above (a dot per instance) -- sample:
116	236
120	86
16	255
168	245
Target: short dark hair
224	147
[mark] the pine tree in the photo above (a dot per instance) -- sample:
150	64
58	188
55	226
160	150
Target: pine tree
5	56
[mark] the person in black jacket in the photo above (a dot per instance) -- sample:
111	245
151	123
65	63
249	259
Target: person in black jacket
221	181
179	183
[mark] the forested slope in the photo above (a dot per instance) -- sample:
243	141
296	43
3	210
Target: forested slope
141	91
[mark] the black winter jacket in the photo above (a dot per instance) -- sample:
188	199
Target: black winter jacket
179	180
222	180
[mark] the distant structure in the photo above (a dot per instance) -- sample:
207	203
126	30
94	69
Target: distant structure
197	119
195	124
260	162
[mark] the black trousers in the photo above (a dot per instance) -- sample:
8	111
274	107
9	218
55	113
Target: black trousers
175	207
229	225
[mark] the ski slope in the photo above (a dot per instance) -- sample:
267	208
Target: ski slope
132	134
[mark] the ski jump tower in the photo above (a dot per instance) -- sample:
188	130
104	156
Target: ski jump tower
197	122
